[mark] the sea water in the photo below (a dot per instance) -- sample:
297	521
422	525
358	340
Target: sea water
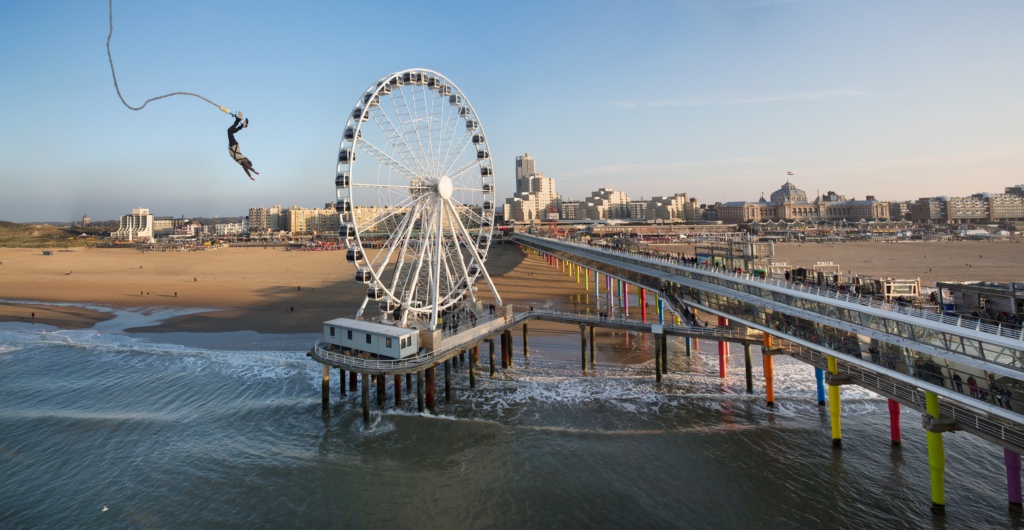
102	428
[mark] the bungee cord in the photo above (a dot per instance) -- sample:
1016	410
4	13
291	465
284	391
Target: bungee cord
140	107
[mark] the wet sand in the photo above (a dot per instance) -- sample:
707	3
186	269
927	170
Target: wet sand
276	291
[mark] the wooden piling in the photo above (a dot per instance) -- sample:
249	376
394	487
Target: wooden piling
353	381
664	353
382	390
490	345
472	367
398	390
657	358
341	382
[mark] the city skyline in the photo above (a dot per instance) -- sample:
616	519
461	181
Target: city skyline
717	99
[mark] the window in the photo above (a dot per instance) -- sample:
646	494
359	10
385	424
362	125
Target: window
332	331
350	334
369	339
387	342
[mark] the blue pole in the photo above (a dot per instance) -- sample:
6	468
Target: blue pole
819	377
661	311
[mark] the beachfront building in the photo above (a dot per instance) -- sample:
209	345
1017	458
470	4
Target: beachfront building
266	220
790	203
535	194
313	220
605	203
980	208
230	229
136	226
673	207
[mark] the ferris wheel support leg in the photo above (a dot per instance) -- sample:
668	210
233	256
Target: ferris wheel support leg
362	307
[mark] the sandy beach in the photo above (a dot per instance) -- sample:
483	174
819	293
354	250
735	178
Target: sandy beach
277	291
264	289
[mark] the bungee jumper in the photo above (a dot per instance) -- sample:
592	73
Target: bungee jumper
236	154
237	126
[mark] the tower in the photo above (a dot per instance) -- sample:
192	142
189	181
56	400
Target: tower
525	167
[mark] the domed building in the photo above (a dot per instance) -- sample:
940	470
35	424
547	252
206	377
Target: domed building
789	193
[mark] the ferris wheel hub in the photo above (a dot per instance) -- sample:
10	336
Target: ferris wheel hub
444	187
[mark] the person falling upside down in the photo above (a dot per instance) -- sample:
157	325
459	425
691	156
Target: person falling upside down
236	154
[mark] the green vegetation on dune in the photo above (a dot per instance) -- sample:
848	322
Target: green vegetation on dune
42	235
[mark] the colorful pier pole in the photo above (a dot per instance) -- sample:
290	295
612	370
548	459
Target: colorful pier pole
526	342
1013	489
366	399
749	368
398	390
819	381
723	349
447	381
611	294
894	423
325	392
661	310
419	392
936	456
586	280
625	299
769	371
597	286
583	346
833	405
643	303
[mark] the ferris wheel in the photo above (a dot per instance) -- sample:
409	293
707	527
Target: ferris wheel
415	196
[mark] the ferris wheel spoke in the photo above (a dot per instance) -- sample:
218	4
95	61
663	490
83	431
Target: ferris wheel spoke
390	213
456	225
414	125
449	133
462	170
386	159
459	154
391	133
479	259
406	234
469	211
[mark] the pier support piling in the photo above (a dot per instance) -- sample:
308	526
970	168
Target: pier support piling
657	358
583	346
723	350
526	342
936	457
431	389
894	423
398	390
833	405
325	392
419	392
1013	487
819	381
341	382
448	381
490	344
687	340
353	381
664	353
593	355
366	400
472	367
382	390
748	367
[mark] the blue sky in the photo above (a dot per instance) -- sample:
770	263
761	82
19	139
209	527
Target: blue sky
715	98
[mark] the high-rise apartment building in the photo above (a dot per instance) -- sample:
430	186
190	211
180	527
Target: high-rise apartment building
525	168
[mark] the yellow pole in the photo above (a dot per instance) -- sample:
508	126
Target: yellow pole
833	405
577	274
586	280
936	456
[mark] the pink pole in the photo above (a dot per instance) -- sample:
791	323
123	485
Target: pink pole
723	349
1013	490
643	304
894	423
625	299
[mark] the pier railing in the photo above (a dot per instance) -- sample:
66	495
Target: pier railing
1005	330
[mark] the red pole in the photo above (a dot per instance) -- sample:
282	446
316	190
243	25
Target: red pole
894	422
643	304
